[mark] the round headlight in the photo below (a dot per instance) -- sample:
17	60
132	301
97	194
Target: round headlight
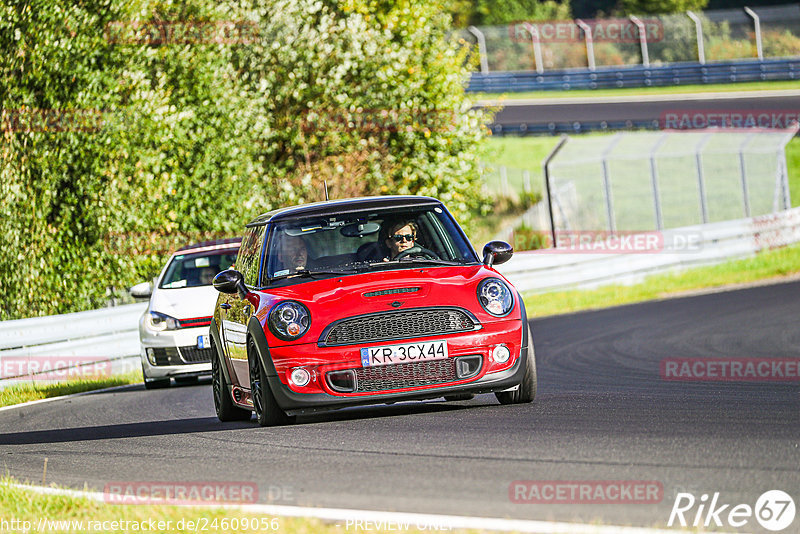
495	297
289	320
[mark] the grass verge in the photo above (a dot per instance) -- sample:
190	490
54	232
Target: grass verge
30	510
765	265
30	391
642	91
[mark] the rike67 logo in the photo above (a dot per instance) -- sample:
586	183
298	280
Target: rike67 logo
774	510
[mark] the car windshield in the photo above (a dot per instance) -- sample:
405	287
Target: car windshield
199	269
359	242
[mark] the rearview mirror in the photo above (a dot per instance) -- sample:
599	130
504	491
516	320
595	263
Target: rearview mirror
230	281
497	252
141	291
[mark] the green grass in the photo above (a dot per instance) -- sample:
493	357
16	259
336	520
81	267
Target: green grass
765	265
634	91
27	391
22	505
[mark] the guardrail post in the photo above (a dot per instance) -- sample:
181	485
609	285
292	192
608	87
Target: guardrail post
587	32
783	168
537	46
642	39
654	179
546	172
698	24
743	172
481	48
757	24
701	186
612	222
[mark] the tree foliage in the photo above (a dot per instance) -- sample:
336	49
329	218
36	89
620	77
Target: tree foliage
120	143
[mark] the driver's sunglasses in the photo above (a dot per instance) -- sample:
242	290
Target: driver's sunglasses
399	238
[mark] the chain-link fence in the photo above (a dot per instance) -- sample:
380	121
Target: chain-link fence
714	35
642	181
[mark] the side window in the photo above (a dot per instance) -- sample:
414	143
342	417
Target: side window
250	254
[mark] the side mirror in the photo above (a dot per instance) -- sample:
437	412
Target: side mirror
497	252
230	282
141	291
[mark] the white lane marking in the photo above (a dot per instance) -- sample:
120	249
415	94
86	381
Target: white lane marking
415	519
555	101
71	395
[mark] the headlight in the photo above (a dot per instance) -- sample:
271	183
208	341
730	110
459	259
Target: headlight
160	322
495	297
289	320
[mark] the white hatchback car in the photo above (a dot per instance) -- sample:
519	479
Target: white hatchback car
174	329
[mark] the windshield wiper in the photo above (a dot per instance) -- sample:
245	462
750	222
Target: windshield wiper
409	259
308	273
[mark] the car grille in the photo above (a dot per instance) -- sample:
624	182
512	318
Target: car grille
405	375
399	325
189	354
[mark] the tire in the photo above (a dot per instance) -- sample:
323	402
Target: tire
459	397
268	413
223	404
526	391
154	383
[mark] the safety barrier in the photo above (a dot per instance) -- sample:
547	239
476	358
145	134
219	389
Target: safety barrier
636	76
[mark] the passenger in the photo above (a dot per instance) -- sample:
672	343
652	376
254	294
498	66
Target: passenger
207	275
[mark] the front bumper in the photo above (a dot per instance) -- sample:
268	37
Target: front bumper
175	353
493	376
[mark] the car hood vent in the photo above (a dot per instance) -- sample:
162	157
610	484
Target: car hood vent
394	291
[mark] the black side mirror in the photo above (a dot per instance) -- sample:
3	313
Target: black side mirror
230	282
497	252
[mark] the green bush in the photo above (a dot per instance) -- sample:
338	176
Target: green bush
185	137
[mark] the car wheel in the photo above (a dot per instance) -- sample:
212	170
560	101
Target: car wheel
526	391
154	383
224	406
459	397
266	407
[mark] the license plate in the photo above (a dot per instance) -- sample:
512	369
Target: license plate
203	342
405	353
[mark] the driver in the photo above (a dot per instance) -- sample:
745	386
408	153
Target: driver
401	236
293	254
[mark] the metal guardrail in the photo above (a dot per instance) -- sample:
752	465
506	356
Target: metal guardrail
545	270
636	76
104	335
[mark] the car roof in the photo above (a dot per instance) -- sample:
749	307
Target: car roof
217	244
331	207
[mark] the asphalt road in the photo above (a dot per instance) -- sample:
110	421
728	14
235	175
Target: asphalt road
603	413
567	111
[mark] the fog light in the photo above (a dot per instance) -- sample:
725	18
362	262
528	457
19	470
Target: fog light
300	377
501	354
151	357
293	329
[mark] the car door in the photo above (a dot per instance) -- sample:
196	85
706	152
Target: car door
237	310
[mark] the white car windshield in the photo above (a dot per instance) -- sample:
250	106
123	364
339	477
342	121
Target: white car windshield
193	270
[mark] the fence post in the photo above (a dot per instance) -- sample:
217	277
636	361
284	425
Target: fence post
587	32
743	172
612	223
526	181
642	39
546	172
654	179
481	48
698	24
537	46
701	186
757	24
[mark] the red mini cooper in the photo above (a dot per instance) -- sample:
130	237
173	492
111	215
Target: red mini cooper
364	301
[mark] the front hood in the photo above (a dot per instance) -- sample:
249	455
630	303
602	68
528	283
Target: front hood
185	302
335	298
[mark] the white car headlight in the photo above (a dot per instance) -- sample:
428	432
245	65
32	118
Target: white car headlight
495	297
159	322
289	320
